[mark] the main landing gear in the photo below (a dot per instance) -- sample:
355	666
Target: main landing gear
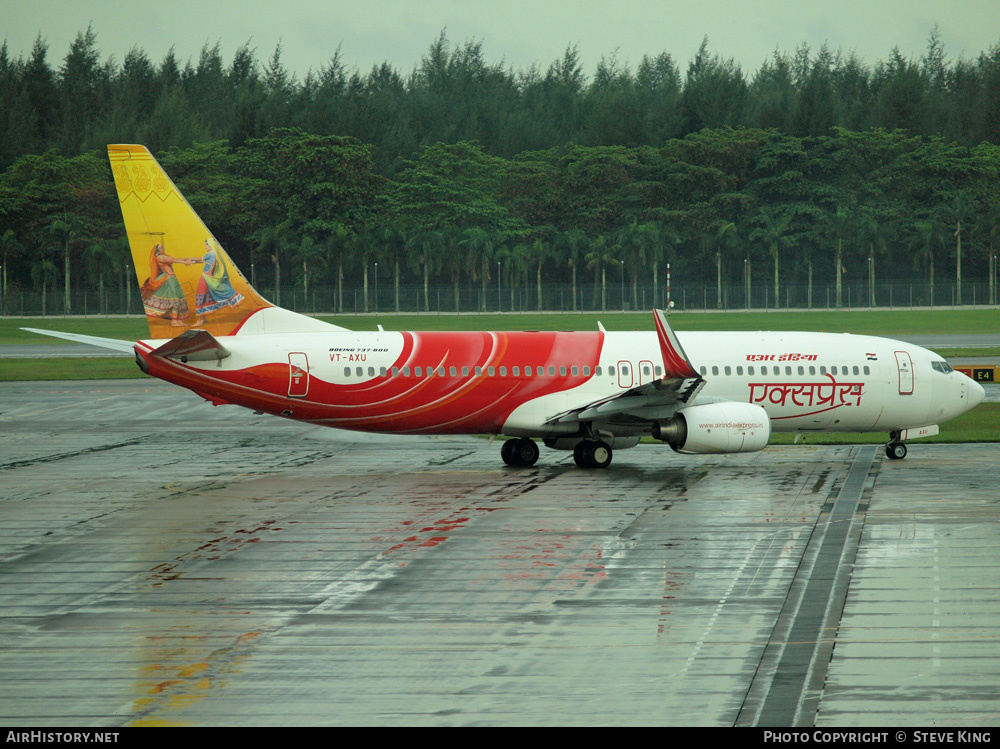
895	450
519	452
592	454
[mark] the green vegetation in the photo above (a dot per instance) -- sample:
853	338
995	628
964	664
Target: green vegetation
69	368
815	182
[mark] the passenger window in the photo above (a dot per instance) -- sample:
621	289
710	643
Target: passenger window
562	371
802	370
492	371
575	370
611	371
659	371
452	371
715	371
465	371
624	371
856	371
739	370
371	371
598	371
395	371
515	371
822	370
406	371
645	371
527	371
440	371
763	370
347	371
503	371
812	370
750	371
729	370
552	371
867	370
479	371
586	371
704	370
359	371
418	371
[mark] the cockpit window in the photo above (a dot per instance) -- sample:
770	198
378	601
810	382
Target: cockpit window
942	366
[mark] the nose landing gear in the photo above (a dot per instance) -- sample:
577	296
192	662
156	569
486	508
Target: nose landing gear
895	450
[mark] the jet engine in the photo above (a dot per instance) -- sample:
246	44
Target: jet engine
726	427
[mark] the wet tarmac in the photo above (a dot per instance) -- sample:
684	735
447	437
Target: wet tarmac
166	562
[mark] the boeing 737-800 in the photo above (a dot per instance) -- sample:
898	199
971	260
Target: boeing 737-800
590	392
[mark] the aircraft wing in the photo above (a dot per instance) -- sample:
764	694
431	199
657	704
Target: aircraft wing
113	344
659	399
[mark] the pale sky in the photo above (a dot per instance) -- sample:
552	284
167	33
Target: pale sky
519	33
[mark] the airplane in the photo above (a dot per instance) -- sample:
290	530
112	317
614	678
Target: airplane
591	392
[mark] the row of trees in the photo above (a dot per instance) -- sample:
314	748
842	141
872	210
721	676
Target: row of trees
454	94
720	205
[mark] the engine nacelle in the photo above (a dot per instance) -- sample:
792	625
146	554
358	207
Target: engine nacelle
727	427
568	443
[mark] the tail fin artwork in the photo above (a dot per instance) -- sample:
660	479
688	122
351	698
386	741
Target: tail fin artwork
186	279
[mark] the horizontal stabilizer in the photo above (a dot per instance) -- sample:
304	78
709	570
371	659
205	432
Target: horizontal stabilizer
193	345
112	344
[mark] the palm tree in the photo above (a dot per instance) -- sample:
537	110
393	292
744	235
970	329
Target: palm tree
98	258
774	234
515	260
63	233
277	240
423	253
572	245
656	239
928	234
363	244
478	246
599	258
8	245
43	272
392	249
955	213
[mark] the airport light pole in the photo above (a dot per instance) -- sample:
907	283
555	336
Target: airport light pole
498	286
376	286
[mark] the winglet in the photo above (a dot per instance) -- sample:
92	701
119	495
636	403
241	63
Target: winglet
675	362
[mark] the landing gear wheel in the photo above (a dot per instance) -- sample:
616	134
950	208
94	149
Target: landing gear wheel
592	454
525	452
507	451
600	454
895	451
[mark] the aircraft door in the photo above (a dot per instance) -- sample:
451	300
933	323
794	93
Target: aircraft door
625	376
646	371
298	375
905	365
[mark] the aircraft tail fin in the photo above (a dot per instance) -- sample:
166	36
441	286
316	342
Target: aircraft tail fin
186	278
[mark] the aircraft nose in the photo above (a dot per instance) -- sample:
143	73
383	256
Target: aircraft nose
976	394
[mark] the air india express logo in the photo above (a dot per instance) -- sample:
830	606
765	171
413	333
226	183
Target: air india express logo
821	396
